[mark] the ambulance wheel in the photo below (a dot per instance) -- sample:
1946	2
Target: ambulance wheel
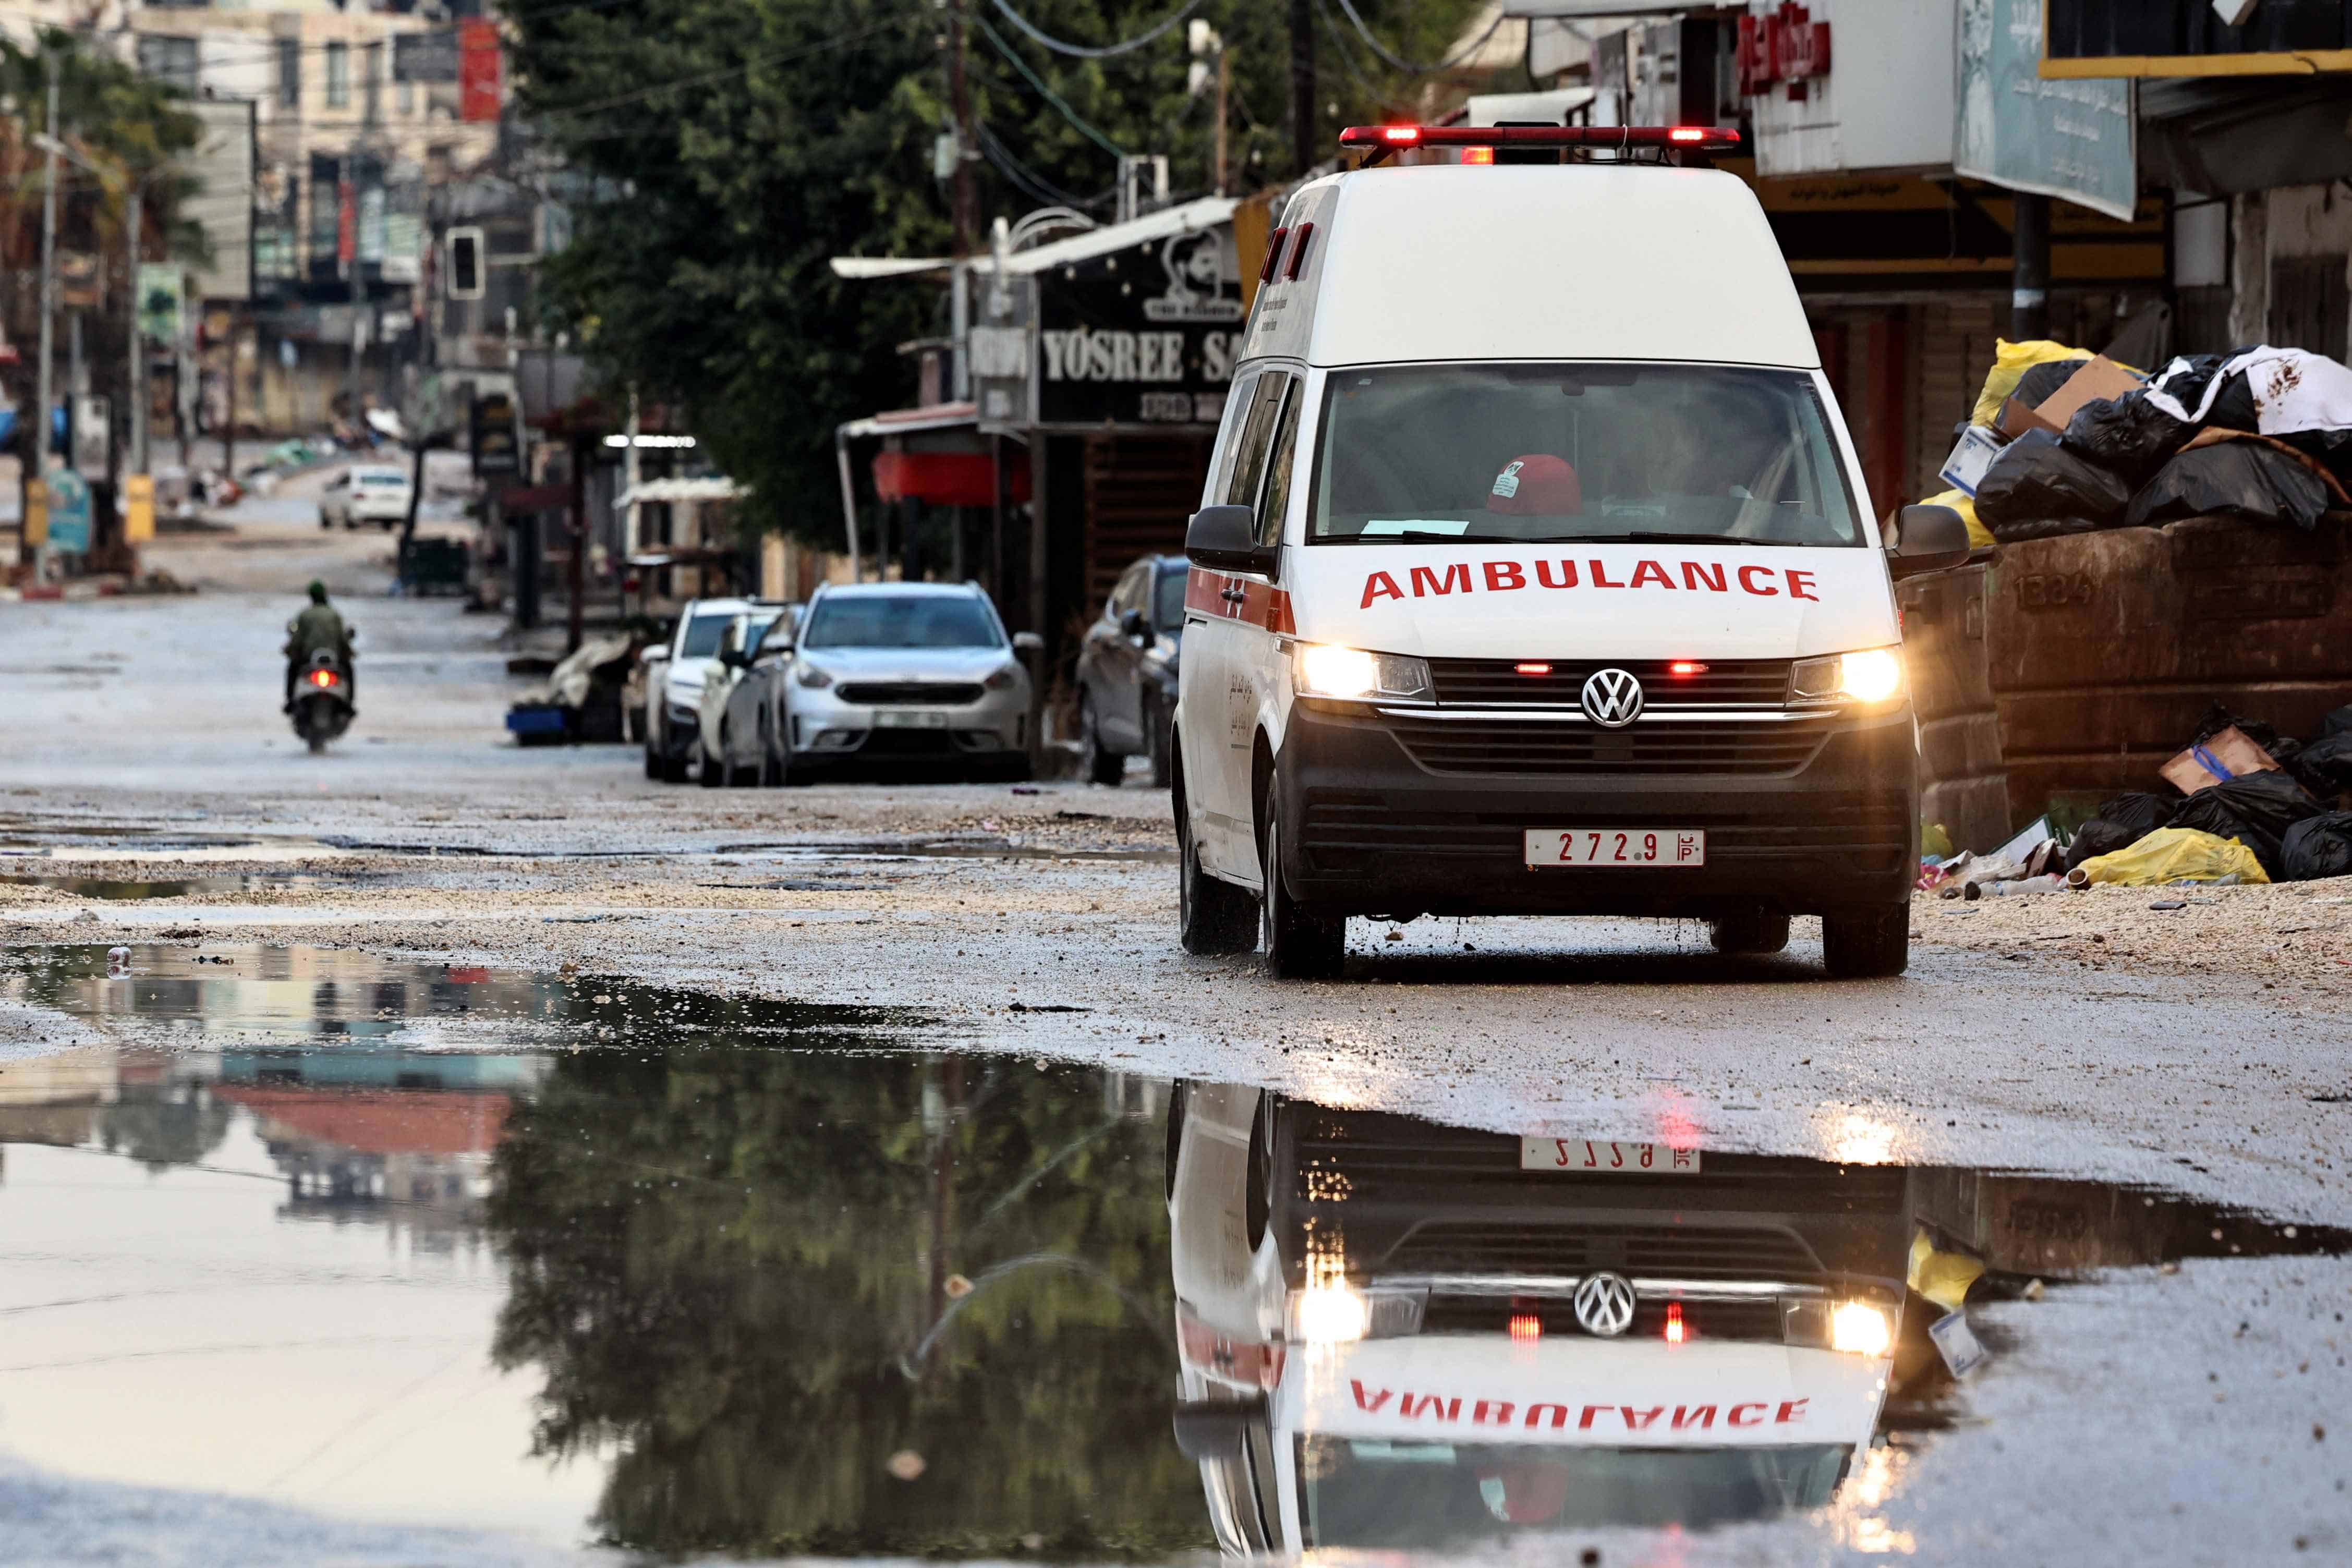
1750	930
1867	944
1301	943
1213	918
1103	765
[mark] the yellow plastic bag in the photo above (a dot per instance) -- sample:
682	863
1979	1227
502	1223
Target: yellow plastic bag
2011	361
1943	1278
1959	500
2171	855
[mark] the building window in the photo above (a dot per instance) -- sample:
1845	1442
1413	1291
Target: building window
338	76
404	99
371	83
169	60
289	73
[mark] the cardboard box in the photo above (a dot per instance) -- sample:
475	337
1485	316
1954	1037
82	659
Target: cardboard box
2016	419
1971	456
2231	748
2102	378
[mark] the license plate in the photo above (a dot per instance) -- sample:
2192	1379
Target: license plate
896	718
1587	1155
1616	846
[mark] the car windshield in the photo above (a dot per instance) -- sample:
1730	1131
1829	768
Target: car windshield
1489	454
902	620
1388	1495
383	480
1168	600
702	634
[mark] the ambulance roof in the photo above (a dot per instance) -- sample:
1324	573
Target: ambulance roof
1536	262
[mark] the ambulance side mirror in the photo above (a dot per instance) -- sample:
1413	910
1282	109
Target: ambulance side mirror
1225	538
1214	1431
1927	538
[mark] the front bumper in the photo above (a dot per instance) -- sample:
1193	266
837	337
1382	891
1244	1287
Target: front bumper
825	729
1390	816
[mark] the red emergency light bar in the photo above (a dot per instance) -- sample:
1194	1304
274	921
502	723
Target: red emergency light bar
1384	139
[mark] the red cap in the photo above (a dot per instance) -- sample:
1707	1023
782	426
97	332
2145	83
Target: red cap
1538	485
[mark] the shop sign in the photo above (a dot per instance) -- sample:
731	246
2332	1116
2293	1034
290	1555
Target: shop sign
1782	46
2072	140
1144	335
69	499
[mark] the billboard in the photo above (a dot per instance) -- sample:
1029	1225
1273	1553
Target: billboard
2072	139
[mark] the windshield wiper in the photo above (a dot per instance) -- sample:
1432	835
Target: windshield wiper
1665	538
1385	536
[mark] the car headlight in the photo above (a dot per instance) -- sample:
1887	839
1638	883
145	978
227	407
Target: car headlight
1860	1329
1325	670
1333	1311
812	677
1871	675
1004	676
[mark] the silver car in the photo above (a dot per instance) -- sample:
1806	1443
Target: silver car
902	672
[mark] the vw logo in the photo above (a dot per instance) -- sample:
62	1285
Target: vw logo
1611	698
1604	1304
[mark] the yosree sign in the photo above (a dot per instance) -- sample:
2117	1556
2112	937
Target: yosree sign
1144	335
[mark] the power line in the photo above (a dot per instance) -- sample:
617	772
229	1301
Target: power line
1105	142
1399	62
1086	51
785	57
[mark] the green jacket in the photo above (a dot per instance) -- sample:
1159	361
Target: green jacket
318	627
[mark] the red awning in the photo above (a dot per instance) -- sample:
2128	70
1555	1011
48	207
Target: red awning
945	478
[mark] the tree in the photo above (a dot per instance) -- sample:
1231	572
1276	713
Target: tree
741	144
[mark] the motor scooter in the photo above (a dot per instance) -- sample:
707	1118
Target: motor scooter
322	700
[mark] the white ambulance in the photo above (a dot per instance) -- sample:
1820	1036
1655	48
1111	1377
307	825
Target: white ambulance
1534	573
1396	1336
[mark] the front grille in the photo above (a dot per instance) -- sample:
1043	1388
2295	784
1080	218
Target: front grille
1678	1252
1742	1321
1502	746
907	742
1726	683
899	694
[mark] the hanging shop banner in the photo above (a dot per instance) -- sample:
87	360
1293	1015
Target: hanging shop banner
1143	335
2072	139
68	497
477	71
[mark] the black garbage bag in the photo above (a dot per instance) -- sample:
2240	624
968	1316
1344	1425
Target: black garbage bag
2099	837
2036	488
2190	381
2218	719
2325	767
2338	722
2039	382
2255	809
2129	436
2139	814
2231	478
2318	846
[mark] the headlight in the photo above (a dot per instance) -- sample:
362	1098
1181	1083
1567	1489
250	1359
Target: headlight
1005	676
1322	670
1336	1312
1860	1329
812	677
1872	676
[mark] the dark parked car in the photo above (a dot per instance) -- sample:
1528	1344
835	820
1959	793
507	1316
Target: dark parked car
1126	670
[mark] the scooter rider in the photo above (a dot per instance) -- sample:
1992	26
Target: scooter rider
319	628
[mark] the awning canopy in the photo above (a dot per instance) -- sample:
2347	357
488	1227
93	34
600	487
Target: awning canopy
946	479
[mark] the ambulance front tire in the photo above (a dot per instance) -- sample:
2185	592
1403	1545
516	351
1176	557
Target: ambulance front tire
1213	918
1867	944
1301	943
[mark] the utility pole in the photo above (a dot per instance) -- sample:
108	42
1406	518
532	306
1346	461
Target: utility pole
1224	87
2028	297
1303	140
48	391
964	197
134	390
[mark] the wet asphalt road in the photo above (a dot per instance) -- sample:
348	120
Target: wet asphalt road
2126	1418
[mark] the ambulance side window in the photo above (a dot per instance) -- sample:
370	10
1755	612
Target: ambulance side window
1257	438
1229	436
1277	475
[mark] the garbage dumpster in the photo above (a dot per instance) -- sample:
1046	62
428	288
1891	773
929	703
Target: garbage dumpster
2106	649
1963	783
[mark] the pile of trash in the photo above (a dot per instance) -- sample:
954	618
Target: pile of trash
2065	441
2240	804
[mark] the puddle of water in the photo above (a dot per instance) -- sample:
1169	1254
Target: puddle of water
682	1274
112	891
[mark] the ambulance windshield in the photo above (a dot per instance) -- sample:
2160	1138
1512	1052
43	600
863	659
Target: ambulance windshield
1523	453
1399	1495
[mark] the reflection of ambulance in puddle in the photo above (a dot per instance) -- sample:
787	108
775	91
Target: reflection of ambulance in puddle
1397	1334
